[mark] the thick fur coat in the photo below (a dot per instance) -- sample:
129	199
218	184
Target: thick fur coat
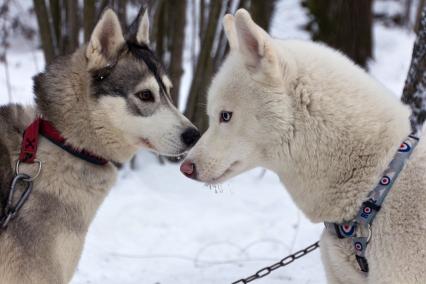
328	130
103	98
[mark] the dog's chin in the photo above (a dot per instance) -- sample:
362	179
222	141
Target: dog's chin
230	172
178	154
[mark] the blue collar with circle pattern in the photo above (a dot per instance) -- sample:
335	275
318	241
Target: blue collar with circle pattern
359	229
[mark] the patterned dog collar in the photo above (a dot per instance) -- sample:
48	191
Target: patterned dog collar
359	229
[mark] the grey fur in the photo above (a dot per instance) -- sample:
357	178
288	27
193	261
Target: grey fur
44	242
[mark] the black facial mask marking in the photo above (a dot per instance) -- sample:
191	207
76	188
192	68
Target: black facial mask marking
116	85
143	52
103	73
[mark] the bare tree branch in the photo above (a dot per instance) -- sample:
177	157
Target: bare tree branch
44	30
72	26
89	17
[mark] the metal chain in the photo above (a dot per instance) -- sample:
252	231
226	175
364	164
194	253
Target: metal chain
284	262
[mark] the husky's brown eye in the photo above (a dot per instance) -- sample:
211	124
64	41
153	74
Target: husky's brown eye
225	116
145	96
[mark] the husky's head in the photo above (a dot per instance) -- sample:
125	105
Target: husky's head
112	96
131	87
248	108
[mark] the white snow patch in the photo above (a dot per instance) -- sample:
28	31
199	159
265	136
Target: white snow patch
392	56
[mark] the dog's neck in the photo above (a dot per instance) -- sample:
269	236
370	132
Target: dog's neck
339	148
63	97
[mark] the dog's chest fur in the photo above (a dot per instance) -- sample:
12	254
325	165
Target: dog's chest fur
48	234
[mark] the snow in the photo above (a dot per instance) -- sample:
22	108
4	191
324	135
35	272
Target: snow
157	226
389	8
392	56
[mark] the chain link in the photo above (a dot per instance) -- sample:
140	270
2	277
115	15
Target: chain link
284	262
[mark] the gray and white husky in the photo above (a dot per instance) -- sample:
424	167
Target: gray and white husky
111	98
328	130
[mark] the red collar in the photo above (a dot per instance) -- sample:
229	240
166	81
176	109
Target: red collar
45	128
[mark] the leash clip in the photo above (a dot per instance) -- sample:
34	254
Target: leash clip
12	209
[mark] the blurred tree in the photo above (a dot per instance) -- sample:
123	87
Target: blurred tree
71	41
11	24
414	93
214	49
419	14
89	17
59	22
55	10
407	12
195	109
261	12
169	32
46	34
345	25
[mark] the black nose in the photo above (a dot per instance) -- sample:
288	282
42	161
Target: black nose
190	136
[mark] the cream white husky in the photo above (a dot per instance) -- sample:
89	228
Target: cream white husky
328	130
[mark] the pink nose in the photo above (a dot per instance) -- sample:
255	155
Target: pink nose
188	169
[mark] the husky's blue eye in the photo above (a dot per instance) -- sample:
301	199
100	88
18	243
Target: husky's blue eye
145	96
225	116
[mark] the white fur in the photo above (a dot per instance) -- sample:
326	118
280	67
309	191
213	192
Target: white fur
328	130
163	129
229	27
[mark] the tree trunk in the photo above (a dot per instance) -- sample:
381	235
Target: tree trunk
244	4
72	27
414	93
195	109
178	9
345	25
262	12
122	12
89	17
160	30
201	18
222	46
419	15
102	6
194	23
55	11
407	12
44	30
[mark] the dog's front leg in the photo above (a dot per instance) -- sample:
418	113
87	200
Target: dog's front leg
339	261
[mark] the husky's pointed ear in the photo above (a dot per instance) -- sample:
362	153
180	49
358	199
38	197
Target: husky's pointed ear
231	34
139	30
106	40
255	44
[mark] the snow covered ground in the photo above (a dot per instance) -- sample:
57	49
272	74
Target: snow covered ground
158	227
